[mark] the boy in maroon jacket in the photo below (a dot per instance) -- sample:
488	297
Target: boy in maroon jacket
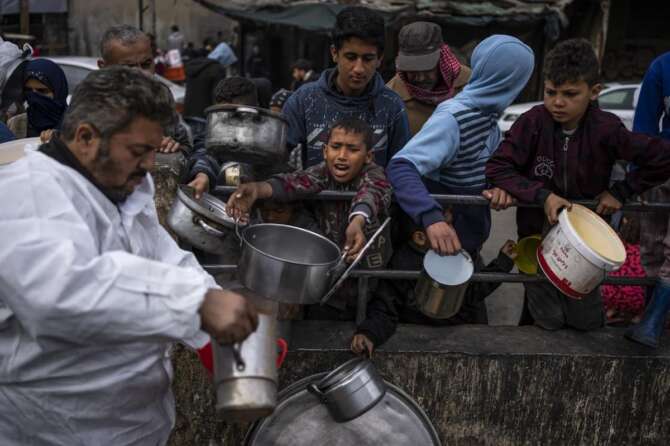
564	150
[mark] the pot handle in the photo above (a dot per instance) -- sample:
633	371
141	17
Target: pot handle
240	365
314	390
283	346
207	228
246	110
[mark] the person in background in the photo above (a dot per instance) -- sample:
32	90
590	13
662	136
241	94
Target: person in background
348	166
563	150
352	89
255	66
175	40
93	291
427	72
302	73
225	55
46	90
202	75
189	52
12	66
279	99
128	46
653	107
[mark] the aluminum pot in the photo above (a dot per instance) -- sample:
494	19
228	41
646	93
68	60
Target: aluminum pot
287	264
246	134
350	390
203	223
441	288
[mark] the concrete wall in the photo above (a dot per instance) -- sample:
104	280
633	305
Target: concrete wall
88	20
482	386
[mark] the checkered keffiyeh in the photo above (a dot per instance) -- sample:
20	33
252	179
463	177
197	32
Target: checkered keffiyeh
450	68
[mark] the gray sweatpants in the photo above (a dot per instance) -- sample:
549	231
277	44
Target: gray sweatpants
553	310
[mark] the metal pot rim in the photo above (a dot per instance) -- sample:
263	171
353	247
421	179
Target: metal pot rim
185	194
234	107
346	370
250	245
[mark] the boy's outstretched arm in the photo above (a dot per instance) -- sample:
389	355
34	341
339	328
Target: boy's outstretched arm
373	197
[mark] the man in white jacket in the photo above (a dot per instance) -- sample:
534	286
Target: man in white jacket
93	291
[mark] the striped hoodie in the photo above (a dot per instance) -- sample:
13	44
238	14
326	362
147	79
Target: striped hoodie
450	152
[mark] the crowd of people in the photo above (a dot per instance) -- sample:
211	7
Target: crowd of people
93	290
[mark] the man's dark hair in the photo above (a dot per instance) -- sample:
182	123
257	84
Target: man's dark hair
111	99
571	61
236	90
124	34
174	28
353	125
359	22
301	64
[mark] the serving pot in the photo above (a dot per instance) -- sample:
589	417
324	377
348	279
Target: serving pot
441	287
246	134
350	390
201	222
286	263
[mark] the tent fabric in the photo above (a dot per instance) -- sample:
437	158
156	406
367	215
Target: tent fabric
35	6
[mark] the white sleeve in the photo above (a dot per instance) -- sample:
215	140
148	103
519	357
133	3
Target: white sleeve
58	285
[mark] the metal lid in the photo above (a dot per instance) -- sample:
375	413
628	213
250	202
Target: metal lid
207	206
245	109
301	420
448	270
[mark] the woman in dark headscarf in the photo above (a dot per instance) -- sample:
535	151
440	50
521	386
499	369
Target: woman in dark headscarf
46	90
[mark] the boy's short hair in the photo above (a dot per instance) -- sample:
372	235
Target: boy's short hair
571	61
301	64
236	90
353	125
359	22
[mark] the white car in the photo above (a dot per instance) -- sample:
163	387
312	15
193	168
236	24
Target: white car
77	68
619	99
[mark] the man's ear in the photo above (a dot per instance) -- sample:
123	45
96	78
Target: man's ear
85	143
380	60
101	64
595	91
368	156
333	53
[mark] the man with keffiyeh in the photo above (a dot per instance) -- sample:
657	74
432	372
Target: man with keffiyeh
427	71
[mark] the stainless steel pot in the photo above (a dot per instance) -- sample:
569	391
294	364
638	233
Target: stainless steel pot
246	134
287	264
441	288
203	223
245	375
350	390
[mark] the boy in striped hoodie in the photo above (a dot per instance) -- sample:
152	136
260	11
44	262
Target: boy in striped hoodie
450	151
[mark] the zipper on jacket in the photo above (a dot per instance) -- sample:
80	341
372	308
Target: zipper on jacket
565	166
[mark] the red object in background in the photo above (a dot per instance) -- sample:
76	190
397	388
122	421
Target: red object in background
207	359
628	298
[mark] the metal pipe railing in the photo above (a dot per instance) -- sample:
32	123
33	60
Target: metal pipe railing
476	277
330	195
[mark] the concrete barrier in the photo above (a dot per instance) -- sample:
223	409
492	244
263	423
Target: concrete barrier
480	385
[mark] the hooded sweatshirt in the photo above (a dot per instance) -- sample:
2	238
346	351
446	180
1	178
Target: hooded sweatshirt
654	102
202	75
452	148
315	106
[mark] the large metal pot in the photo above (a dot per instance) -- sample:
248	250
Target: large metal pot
246	134
287	264
350	390
203	223
441	287
245	375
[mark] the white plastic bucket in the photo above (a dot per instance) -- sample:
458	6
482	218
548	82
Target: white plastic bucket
577	253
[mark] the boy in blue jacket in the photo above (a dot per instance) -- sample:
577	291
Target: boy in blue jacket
352	89
451	149
653	107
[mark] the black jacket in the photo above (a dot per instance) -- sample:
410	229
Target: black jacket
202	75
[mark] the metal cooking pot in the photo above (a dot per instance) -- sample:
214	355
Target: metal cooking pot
246	134
350	390
203	223
287	264
441	287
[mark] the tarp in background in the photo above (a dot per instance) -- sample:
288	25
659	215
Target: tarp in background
35	6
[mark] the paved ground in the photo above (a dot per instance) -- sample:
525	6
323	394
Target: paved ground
504	305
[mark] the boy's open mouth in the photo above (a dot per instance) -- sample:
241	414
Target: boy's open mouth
340	169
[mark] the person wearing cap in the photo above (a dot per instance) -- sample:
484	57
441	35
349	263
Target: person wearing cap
353	89
427	72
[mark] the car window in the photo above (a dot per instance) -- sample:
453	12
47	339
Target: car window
621	99
74	75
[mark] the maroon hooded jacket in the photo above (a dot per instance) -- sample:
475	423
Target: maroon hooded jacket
536	158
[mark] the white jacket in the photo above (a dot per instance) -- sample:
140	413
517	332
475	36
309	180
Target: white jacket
91	298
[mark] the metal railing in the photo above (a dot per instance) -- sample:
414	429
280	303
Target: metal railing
365	275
